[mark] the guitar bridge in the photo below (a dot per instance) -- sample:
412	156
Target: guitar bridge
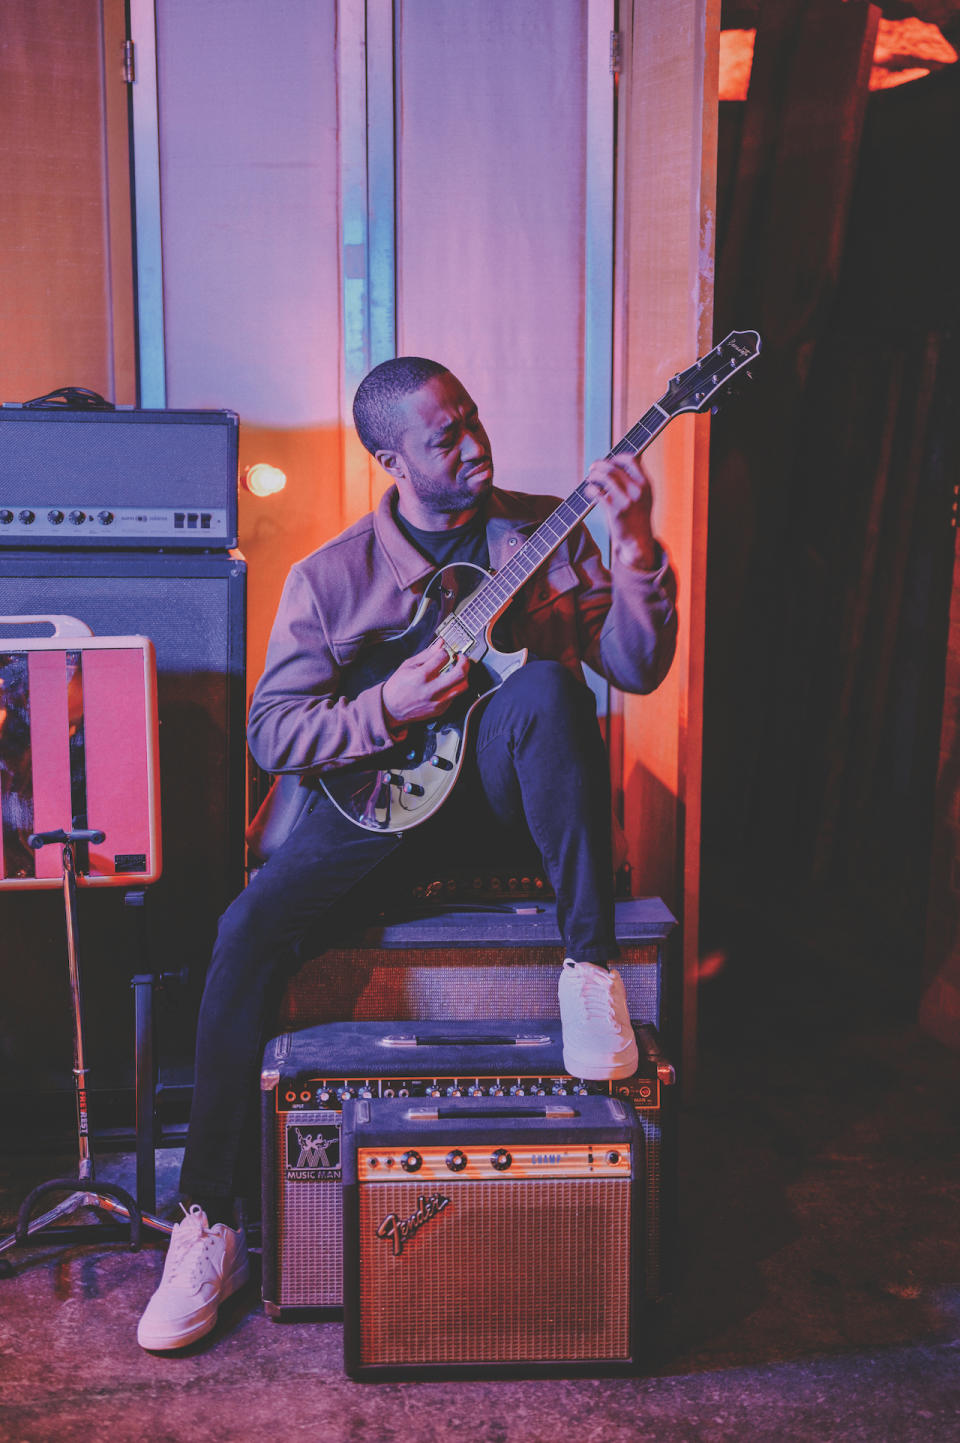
455	636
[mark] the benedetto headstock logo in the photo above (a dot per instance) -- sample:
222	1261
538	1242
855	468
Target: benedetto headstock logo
398	1231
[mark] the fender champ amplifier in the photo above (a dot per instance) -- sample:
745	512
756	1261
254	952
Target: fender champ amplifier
492	1236
123	478
78	748
308	1076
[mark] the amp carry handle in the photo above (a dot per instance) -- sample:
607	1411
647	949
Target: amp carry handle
62	625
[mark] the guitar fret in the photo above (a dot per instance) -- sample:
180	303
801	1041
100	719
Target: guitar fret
493	595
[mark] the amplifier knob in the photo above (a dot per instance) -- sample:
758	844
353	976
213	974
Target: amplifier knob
454	1092
456	1160
516	1091
54	517
77	517
475	1091
324	1094
6	516
613	1158
500	1159
26	516
495	1091
344	1093
105	518
411	1161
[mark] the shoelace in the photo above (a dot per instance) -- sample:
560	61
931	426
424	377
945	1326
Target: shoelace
189	1245
595	998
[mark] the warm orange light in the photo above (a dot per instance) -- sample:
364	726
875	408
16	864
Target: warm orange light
905	50
263	480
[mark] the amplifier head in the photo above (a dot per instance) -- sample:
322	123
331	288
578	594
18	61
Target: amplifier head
123	478
492	1236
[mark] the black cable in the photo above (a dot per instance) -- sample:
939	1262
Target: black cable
71	398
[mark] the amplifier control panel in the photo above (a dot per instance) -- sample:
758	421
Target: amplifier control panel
472	1163
69	521
330	1093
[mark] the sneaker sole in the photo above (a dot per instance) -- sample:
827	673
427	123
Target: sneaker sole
202	1325
593	1071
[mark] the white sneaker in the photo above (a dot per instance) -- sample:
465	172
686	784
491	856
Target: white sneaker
598	1041
204	1265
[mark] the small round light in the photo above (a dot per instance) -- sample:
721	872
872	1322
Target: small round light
262	479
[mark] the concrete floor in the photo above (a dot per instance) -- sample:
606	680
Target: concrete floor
819	1297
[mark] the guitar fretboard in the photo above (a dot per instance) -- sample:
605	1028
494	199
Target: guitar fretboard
493	596
692	390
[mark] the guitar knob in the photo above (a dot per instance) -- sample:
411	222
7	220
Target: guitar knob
443	763
413	789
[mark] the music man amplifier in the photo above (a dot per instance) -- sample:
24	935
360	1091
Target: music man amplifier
309	1075
78	748
492	1236
124	478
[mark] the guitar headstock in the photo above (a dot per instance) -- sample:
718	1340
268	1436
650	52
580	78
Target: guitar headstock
695	388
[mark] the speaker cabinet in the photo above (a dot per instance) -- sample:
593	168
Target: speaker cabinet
192	607
466	964
492	1236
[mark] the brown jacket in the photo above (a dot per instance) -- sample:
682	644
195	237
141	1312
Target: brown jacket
367	583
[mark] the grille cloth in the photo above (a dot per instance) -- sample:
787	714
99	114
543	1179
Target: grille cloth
455	983
509	1272
309	1230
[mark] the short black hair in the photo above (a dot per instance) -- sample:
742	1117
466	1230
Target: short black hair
375	403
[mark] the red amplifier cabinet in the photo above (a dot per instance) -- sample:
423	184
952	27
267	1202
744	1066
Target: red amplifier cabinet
492	1237
78	748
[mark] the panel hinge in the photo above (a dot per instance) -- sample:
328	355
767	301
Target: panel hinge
129	69
616	52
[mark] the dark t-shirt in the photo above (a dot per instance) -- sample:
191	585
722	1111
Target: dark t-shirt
461	543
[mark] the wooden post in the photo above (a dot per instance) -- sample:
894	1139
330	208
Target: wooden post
668	143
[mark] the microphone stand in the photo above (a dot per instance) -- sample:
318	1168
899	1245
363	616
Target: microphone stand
107	1197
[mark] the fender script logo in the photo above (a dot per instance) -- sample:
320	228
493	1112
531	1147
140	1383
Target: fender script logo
400	1230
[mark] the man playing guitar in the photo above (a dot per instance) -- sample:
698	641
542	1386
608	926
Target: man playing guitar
531	761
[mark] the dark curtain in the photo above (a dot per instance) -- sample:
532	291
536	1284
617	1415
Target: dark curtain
832	488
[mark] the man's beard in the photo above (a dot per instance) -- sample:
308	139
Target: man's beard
443	498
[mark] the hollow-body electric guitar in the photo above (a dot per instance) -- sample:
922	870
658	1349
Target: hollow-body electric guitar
461	604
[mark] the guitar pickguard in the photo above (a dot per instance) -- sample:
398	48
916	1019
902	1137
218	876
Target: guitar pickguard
413	779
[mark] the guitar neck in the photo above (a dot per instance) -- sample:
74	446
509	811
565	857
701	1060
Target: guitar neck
491	598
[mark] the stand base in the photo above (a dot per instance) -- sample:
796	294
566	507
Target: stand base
106	1197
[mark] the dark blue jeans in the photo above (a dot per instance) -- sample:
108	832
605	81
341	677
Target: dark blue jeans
537	767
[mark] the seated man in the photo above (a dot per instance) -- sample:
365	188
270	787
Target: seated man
536	765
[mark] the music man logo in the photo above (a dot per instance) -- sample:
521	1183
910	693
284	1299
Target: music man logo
313	1154
399	1231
